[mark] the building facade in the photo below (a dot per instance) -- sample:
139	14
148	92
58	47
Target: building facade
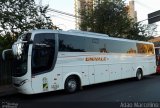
131	10
79	5
82	4
156	41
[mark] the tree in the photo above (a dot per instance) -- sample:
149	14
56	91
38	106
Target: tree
18	16
151	29
111	18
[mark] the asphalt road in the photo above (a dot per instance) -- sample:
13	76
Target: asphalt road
121	93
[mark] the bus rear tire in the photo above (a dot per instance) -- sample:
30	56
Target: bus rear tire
139	74
71	84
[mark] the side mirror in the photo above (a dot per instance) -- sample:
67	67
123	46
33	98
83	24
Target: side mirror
17	47
7	54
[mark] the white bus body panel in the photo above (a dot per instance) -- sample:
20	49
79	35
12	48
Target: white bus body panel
113	66
91	72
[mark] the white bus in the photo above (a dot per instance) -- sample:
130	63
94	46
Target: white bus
48	60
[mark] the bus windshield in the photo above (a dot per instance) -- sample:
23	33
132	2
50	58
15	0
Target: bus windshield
20	60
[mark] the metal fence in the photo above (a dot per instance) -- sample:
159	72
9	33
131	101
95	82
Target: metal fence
6	68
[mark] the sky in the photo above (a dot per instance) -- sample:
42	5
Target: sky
143	8
63	21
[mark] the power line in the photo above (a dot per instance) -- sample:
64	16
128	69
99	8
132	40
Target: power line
64	13
149	18
60	17
61	12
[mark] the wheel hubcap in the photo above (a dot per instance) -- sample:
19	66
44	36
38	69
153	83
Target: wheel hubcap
139	76
72	85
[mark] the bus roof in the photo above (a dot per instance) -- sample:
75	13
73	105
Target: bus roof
85	34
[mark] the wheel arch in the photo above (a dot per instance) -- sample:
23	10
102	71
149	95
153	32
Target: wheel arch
75	74
139	68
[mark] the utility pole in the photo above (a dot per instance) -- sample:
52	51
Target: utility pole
40	4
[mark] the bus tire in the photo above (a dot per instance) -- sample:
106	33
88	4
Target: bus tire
71	84
139	74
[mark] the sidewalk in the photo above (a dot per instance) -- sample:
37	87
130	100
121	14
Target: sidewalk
7	90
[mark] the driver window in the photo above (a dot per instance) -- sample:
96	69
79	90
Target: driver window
43	52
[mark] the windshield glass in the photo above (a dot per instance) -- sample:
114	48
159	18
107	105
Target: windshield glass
20	60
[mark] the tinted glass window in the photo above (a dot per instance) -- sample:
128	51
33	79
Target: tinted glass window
145	48
86	44
115	46
157	51
20	62
150	49
43	52
99	45
80	44
71	43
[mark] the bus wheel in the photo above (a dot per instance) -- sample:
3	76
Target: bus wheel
139	74
71	84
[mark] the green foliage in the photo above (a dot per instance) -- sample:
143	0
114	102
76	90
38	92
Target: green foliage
18	16
5	42
112	18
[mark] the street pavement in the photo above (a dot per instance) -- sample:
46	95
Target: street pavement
127	93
